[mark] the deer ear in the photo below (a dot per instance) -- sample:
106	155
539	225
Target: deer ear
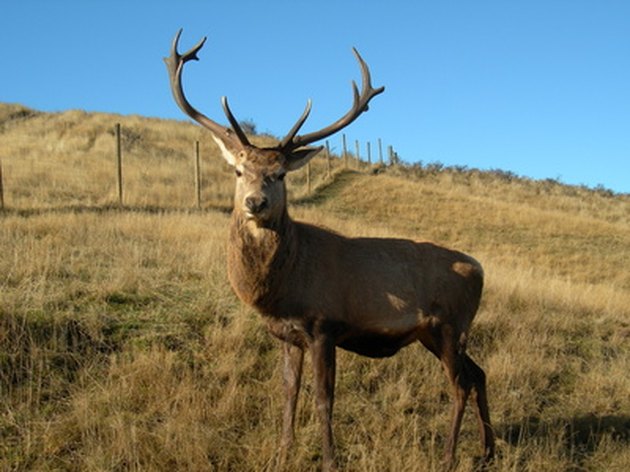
301	156
228	155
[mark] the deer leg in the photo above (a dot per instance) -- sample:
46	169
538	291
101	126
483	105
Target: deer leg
478	377
323	357
453	361
292	374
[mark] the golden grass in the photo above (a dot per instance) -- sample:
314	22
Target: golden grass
68	160
122	346
579	247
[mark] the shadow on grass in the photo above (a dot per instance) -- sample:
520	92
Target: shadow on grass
329	189
112	208
583	433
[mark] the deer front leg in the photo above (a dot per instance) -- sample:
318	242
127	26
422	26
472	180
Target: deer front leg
323	357
292	374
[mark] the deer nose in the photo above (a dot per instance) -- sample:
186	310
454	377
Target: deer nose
256	204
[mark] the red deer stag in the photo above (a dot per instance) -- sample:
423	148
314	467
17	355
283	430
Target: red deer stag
317	289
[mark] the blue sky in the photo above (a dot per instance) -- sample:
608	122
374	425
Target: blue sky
539	88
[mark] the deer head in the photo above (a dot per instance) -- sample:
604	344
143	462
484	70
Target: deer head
260	189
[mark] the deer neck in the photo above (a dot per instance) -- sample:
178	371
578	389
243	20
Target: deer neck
260	260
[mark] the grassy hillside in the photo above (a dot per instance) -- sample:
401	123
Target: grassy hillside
122	346
68	160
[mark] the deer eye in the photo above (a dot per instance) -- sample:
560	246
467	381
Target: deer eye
238	172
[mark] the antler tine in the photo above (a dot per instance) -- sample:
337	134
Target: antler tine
366	78
191	54
298	124
234	122
359	105
175	65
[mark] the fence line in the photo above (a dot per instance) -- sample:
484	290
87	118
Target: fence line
197	174
131	183
119	164
380	151
1	189
328	163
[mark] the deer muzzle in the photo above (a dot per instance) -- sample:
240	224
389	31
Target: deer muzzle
255	205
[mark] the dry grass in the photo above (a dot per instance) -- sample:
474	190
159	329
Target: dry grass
123	348
68	160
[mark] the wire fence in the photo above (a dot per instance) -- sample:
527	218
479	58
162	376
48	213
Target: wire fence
123	167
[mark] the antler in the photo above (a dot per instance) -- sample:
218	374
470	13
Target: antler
360	105
235	138
175	64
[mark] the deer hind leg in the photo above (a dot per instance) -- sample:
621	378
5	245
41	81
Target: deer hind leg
478	377
292	375
453	360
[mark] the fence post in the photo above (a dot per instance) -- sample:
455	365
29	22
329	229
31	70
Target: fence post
369	153
358	151
390	151
1	189
328	164
119	164
380	151
197	175
345	151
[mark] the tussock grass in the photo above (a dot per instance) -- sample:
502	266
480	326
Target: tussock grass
122	346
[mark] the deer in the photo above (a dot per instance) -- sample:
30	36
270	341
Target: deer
318	290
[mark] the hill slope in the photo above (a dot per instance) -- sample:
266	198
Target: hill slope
122	346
